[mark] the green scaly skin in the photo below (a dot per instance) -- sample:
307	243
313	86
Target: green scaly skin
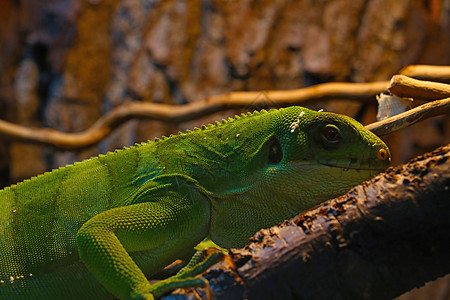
98	228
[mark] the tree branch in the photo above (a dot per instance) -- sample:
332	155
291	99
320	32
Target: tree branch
406	87
383	238
426	72
410	117
362	92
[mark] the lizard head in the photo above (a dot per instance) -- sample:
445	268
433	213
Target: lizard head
324	153
287	161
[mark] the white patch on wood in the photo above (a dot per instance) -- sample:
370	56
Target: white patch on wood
391	105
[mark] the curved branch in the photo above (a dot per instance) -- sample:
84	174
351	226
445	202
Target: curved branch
363	92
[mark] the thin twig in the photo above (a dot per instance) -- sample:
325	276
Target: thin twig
361	92
425	111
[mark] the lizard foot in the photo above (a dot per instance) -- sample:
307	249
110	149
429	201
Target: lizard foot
188	277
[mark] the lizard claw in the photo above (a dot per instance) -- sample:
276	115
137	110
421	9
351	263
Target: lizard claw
187	277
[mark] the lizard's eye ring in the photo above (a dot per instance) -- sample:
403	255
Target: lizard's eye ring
331	133
382	154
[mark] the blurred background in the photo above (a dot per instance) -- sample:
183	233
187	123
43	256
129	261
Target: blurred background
65	63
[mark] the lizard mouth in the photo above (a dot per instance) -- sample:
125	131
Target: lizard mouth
346	165
375	163
356	168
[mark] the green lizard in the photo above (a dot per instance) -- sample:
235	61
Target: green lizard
96	229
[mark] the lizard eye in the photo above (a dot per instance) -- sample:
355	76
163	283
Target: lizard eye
331	134
275	151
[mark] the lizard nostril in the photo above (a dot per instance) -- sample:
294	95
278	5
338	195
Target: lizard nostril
382	154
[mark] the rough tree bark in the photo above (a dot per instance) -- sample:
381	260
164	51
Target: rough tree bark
383	238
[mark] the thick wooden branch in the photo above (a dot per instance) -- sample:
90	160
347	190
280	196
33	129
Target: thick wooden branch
427	72
383	238
404	86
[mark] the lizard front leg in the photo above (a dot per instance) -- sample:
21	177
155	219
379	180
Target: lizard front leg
163	229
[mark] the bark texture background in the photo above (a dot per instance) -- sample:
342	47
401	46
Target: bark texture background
64	63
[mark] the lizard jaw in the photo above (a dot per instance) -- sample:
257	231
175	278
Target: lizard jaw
355	168
344	165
